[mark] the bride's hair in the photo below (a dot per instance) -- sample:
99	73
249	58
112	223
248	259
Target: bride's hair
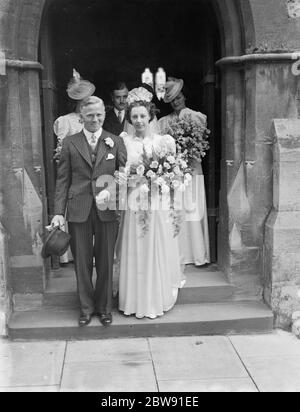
151	108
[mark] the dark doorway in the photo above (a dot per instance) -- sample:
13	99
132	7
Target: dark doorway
116	39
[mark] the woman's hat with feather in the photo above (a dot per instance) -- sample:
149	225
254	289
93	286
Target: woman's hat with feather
79	89
173	88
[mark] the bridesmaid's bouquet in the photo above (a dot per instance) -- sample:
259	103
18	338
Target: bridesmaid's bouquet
165	174
191	136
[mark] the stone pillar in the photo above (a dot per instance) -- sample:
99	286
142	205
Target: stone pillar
282	230
23	185
5	301
258	88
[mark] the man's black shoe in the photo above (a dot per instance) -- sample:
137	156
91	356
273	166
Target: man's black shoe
85	320
106	319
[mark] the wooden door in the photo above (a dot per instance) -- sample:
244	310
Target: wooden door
211	104
49	105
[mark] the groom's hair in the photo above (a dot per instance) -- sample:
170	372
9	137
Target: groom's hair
91	100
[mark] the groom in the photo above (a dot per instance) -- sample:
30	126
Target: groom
86	157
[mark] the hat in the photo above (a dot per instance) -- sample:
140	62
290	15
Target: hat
173	88
57	243
79	89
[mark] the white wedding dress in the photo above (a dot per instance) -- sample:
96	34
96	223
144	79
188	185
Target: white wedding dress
149	265
194	235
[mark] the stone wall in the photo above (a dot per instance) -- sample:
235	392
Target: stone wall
5	293
253	95
277	25
282	234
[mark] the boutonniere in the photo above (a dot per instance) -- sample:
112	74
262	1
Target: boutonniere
109	142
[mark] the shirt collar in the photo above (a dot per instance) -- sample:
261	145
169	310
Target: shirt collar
119	111
89	135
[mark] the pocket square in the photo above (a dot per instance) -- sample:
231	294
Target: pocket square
110	157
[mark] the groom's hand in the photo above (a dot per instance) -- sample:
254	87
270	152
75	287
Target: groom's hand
58	221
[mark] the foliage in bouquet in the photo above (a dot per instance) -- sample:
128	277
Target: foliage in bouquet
169	174
58	150
191	137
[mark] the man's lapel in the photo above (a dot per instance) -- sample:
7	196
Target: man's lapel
80	143
102	149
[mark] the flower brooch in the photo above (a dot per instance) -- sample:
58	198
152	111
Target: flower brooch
109	142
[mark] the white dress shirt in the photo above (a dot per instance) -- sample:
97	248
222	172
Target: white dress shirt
89	135
122	114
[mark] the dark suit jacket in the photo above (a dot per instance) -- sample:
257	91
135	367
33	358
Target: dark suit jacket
112	123
76	177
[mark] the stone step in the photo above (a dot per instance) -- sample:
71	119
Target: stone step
184	320
202	286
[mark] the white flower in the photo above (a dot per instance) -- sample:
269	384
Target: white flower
167	165
144	189
109	142
151	174
183	164
154	165
140	170
160	169
165	189
160	181
171	160
177	171
170	175
188	177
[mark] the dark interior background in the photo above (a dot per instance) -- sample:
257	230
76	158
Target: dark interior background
108	40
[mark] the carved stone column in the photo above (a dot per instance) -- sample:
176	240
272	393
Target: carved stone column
282	232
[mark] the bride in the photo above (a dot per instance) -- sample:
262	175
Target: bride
149	264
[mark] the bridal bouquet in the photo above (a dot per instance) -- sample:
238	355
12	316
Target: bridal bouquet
191	136
163	173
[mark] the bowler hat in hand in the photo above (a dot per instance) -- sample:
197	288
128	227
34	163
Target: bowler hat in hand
56	244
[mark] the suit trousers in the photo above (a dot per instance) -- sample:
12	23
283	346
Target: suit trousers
90	239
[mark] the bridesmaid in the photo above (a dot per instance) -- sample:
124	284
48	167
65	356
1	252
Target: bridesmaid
194	235
70	124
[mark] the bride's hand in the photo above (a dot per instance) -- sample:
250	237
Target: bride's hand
121	178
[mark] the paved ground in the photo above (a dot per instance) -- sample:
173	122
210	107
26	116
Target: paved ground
264	363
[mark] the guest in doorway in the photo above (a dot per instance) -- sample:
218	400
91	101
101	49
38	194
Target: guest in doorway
116	117
194	236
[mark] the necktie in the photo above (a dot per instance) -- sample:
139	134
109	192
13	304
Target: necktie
120	117
93	140
93	143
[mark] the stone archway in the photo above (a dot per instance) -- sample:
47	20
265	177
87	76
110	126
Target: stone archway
246	194
21	126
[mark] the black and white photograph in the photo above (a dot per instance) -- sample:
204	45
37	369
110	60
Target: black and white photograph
149	198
